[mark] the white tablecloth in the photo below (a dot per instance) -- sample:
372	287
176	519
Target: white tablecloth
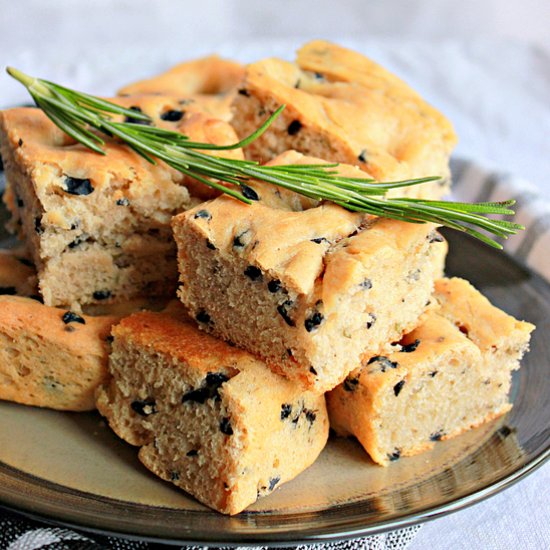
496	91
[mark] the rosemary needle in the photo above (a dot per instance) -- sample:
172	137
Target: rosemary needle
76	113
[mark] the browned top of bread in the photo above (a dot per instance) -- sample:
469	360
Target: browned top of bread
173	335
208	84
349	98
24	315
485	324
44	151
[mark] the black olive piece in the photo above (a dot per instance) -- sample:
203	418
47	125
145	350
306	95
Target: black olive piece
504	432
110	339
366	284
254	273
20	142
38	225
225	426
75	243
395	455
283	312
101	294
8	290
204	214
294	127
202	317
133	120
398	387
20	202
70	317
313	371
212	384
362	157
410	347
273	482
310	416
433	373
274	286
286	410
210	245
123	202
298	82
174	476
319	240
26	262
173	115
385	363
289	352
1	164
249	193
372	321
311	323
319	76
435	237
245	92
350	384
145	407
192	452
436	436
78	186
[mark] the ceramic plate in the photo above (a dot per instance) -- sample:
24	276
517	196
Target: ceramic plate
68	468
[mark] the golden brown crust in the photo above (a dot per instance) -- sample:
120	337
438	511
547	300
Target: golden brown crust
488	326
48	362
207	84
172	335
366	115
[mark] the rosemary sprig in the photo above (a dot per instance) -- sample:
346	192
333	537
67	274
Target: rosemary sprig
76	113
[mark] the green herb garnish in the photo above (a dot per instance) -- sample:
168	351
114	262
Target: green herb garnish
76	113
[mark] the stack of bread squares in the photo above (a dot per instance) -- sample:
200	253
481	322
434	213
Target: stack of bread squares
224	338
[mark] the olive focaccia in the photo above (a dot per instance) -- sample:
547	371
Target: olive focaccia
207	85
343	107
450	374
308	287
209	418
98	226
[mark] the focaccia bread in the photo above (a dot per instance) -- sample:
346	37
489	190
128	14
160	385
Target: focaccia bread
97	227
51	357
451	374
308	287
210	418
207	85
343	107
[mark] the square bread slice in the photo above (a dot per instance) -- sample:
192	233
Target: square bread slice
343	107
52	357
210	418
207	85
309	287
452	373
97	227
